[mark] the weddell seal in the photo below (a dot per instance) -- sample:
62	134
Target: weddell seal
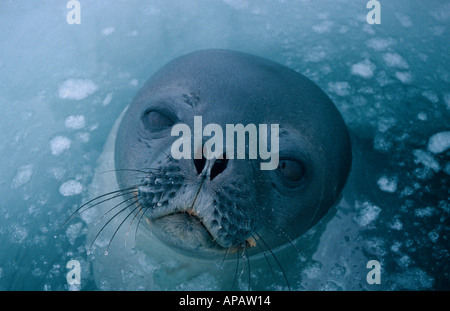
204	222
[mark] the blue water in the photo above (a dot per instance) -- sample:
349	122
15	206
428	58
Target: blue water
62	87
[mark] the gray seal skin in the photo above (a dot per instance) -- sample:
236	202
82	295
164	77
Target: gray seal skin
208	208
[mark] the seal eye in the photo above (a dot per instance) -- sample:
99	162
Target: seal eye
291	170
156	120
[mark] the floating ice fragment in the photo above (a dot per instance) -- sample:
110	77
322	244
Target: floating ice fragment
341	88
367	214
107	31
422	116
381	143
70	188
404	20
387	184
133	33
434	236
83	137
23	176
77	89
75	122
59	144
396	246
315	54
380	44
426	159
412	279
424	212
323	27
431	96
363	69
107	99
404	76
404	261
73	231
396	224
439	142
447	168
447	100
395	60
18	233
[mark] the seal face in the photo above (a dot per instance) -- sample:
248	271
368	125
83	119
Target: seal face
205	207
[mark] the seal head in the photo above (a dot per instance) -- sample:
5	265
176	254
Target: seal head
207	207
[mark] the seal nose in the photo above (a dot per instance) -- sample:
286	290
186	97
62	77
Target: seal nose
211	168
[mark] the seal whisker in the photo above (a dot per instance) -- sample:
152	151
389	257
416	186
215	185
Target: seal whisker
113	208
282	234
276	259
104	226
223	259
265	256
135	216
123	221
236	271
139	222
114	194
131	170
248	264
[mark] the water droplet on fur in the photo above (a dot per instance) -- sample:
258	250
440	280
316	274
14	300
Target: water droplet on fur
106	253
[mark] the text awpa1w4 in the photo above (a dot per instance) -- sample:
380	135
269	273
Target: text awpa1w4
213	147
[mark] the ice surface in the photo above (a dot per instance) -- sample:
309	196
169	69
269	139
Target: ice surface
439	142
77	89
63	86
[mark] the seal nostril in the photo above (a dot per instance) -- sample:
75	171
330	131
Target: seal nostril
219	166
199	164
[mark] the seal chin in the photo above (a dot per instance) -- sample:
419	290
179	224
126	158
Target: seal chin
186	233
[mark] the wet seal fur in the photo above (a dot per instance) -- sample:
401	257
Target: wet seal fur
186	211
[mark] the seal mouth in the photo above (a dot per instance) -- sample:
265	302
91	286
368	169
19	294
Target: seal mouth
185	231
185	221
